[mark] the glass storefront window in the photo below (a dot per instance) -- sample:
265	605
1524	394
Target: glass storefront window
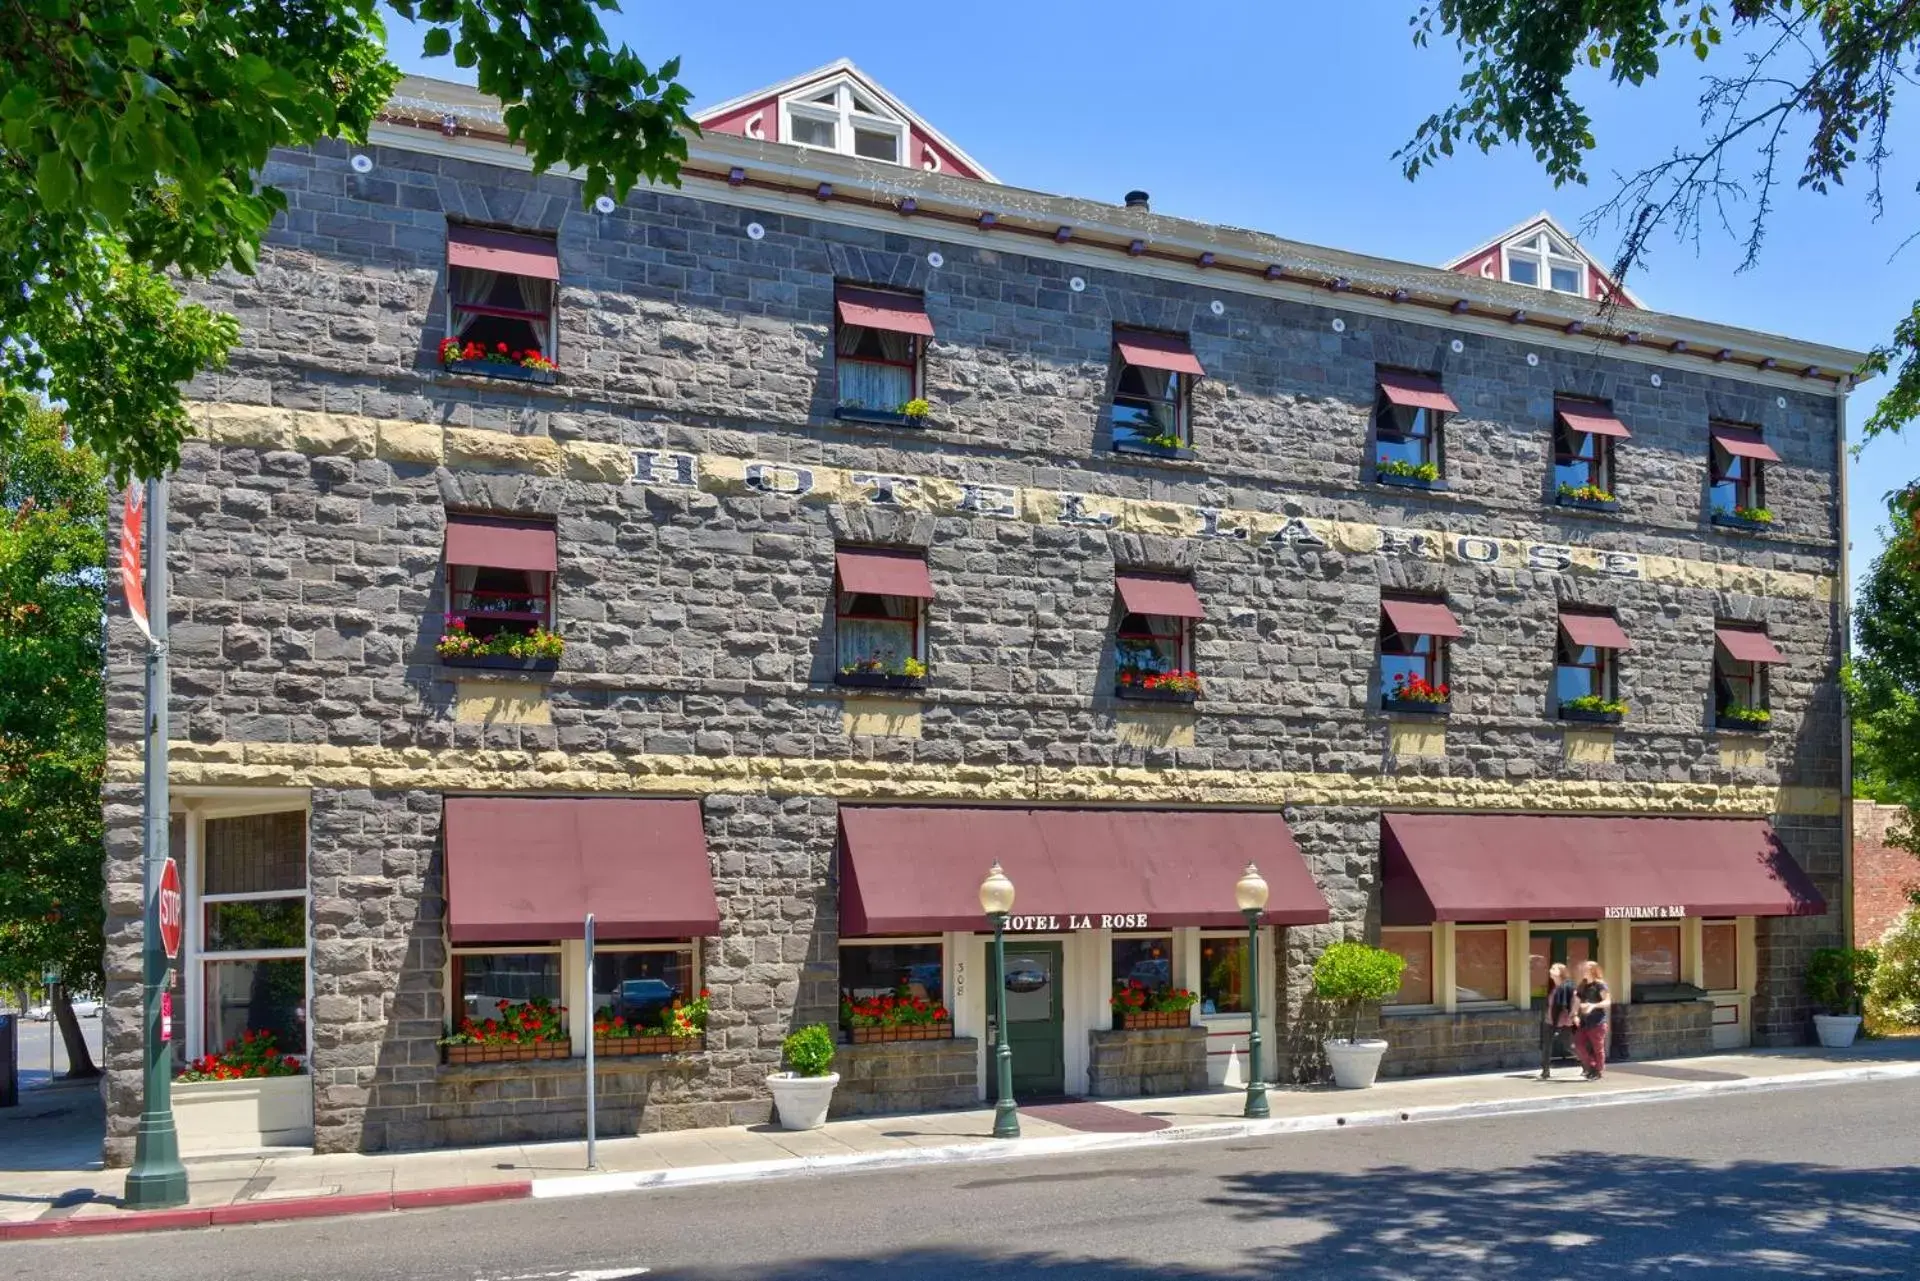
641	987
258	996
1415	947
252	944
1223	975
1720	952
1479	965
1144	959
481	980
883	969
1655	952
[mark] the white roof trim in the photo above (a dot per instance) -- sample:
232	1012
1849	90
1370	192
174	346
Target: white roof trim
846	66
1551	223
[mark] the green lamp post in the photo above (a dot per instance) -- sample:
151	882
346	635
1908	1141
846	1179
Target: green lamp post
996	900
1250	892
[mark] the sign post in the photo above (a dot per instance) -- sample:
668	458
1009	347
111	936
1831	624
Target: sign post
593	1127
157	1180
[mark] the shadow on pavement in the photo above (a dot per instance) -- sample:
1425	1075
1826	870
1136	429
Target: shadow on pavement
58	1126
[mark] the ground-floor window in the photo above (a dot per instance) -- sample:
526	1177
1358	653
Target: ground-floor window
1480	964
1720	956
643	986
887	985
1223	974
491	984
1143	958
250	935
1415	947
1654	954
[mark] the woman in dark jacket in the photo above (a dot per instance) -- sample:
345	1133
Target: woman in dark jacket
1592	1004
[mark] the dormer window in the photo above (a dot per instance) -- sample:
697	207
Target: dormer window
1545	261
840	116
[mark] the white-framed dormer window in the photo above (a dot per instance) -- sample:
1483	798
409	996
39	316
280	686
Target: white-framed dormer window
839	115
1545	261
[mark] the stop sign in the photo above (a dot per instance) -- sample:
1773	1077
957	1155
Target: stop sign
170	905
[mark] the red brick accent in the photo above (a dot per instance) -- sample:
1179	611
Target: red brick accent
1882	875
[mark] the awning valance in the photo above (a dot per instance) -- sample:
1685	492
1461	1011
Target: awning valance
1160	594
1168	352
1415	391
499	542
883	571
1528	867
1587	418
1420	617
876	309
909	870
528	870
512	252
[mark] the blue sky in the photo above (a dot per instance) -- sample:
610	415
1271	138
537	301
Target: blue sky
1284	118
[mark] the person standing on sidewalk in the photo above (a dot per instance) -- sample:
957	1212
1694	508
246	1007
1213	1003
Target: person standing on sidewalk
1592	1005
1556	1021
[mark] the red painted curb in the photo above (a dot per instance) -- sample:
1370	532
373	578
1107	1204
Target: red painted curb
316	1207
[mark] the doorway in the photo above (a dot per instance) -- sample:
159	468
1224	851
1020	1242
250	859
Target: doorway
1036	1019
1571	948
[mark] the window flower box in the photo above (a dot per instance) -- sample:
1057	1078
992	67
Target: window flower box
1152	449
512	373
498	361
1746	720
941	1030
535	650
883	417
1416	706
1587	504
1137	1005
1750	524
879	680
649	1042
1156	687
243	1114
506	1052
503	662
1141	694
1409	482
1590	716
1131	1020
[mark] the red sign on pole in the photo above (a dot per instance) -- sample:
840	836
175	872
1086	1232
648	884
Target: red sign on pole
171	904
132	581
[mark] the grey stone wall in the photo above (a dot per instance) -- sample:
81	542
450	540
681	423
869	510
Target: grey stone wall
1489	1040
1662	1030
1129	1062
906	1076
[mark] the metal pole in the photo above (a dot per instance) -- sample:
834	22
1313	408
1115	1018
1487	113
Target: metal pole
157	1180
592	1128
1006	1118
1256	1083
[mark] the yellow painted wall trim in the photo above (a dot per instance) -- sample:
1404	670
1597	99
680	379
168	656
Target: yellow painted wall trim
1409	740
1588	746
1137	727
1737	753
880	718
501	703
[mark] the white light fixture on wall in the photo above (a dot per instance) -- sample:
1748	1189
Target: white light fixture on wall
1533	359
1078	284
1457	346
605	204
362	163
935	260
1780	401
1339	325
1656	380
756	232
1217	307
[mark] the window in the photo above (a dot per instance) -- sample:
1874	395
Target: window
1654	952
1408	419
500	299
1223	975
1415	947
1413	648
914	970
486	982
1143	958
500	573
1740	659
1736	482
1720	956
253	930
1153	390
881	596
1479	963
1150	645
842	116
1585	671
878	349
643	985
1545	261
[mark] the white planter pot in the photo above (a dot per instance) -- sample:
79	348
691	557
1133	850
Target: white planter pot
802	1100
1836	1030
1355	1063
243	1116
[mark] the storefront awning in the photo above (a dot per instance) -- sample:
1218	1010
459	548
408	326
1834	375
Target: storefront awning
883	571
907	870
1584	418
1748	645
511	252
1415	391
527	870
1160	594
494	542
1166	352
1601	631
1420	617
1744	442
876	309
1528	867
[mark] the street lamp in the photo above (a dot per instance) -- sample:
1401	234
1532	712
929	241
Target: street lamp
1250	892
996	900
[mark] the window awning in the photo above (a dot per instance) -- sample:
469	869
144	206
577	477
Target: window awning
1526	867
527	870
1415	391
1160	594
499	542
873	309
907	870
1585	417
1601	631
1158	351
1420	617
1744	443
1748	645
486	249
883	572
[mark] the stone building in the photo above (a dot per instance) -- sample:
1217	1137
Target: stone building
854	524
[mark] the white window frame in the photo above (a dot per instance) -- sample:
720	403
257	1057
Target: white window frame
453	999
844	115
1544	251
1433	978
194	954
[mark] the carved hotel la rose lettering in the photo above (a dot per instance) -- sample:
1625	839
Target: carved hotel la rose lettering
1070	921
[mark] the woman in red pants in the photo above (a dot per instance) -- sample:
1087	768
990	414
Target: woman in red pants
1592	1004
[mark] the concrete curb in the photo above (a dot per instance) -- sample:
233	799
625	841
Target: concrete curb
313	1207
1213	1131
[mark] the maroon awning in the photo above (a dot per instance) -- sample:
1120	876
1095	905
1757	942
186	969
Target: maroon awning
906	870
1748	645
486	249
1743	442
1420	617
883	572
1528	867
528	870
1585	417
1160	594
1158	351
497	542
1415	391
872	309
1598	630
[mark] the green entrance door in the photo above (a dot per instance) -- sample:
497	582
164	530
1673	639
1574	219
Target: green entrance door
1571	948
1036	1019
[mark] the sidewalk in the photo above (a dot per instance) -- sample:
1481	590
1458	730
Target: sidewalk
59	1202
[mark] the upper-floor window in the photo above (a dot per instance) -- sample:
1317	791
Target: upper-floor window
1409	415
839	116
1546	262
1741	655
500	302
880	615
1413	652
1586	676
1153	642
1153	391
879	347
1737	472
1584	432
500	574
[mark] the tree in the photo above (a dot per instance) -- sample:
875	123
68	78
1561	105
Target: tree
131	132
1883	681
53	518
1825	71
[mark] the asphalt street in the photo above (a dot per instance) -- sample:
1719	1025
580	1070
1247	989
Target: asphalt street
1807	1184
34	1048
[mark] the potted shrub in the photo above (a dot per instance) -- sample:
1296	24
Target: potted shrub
802	1093
1349	976
1135	1005
1837	977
